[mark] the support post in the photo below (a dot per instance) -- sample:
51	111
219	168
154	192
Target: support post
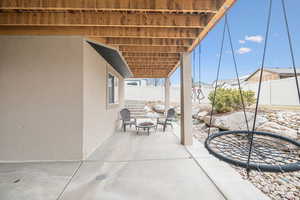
186	99
167	94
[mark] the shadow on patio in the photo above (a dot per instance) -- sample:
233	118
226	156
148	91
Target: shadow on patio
127	166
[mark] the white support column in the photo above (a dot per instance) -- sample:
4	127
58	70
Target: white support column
167	94
186	100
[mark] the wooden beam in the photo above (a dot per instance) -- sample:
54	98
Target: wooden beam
106	19
154	49
151	63
214	20
102	32
151	66
149	75
151	60
196	6
147	41
151	72
151	55
174	69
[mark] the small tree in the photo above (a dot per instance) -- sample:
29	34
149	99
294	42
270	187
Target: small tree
228	100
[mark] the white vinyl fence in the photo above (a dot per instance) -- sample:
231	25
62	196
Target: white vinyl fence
151	93
281	92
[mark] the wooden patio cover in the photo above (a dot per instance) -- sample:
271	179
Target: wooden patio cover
151	34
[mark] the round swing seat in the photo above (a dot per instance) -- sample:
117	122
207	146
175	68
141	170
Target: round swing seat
270	152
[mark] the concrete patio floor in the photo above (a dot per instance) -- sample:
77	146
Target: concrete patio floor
126	166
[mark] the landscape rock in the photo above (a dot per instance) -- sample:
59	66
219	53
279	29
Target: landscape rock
234	121
212	130
273	127
201	114
204	107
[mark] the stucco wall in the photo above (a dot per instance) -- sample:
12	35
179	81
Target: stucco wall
100	120
40	98
53	99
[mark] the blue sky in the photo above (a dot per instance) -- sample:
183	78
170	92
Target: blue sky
247	20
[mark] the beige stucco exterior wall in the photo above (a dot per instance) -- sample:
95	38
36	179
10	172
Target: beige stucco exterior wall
100	120
53	99
266	76
40	98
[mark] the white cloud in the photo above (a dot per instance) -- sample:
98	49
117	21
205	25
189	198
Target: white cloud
242	41
243	50
254	38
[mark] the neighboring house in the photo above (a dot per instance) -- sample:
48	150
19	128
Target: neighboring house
60	96
135	82
231	83
272	74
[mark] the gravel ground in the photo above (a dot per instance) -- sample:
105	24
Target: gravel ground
276	185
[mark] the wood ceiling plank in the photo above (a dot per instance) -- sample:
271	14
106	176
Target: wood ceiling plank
214	20
148	41
196	6
151	55
152	63
151	60
104	19
154	49
102	32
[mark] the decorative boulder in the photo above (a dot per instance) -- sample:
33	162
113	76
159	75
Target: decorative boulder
201	114
234	121
212	130
273	127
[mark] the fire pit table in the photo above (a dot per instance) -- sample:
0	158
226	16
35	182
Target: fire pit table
146	126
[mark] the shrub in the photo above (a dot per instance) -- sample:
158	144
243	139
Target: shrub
228	100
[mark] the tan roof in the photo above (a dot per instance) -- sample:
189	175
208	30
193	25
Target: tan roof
151	34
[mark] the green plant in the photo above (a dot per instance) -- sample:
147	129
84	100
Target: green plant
228	100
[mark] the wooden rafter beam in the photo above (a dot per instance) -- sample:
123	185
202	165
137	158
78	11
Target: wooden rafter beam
152	63
151	55
154	49
147	41
151	71
136	66
151	60
104	19
102	32
214	20
196	6
150	75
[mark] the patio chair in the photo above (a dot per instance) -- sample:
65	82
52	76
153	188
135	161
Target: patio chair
127	119
167	121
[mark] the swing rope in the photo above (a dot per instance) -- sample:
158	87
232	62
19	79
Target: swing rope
291	46
217	79
236	71
266	152
251	134
193	69
199	63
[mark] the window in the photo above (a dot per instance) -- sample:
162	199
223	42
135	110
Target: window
113	89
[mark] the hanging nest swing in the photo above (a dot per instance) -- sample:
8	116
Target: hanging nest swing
250	149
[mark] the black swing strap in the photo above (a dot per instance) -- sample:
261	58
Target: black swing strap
290	46
217	79
251	133
236	71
